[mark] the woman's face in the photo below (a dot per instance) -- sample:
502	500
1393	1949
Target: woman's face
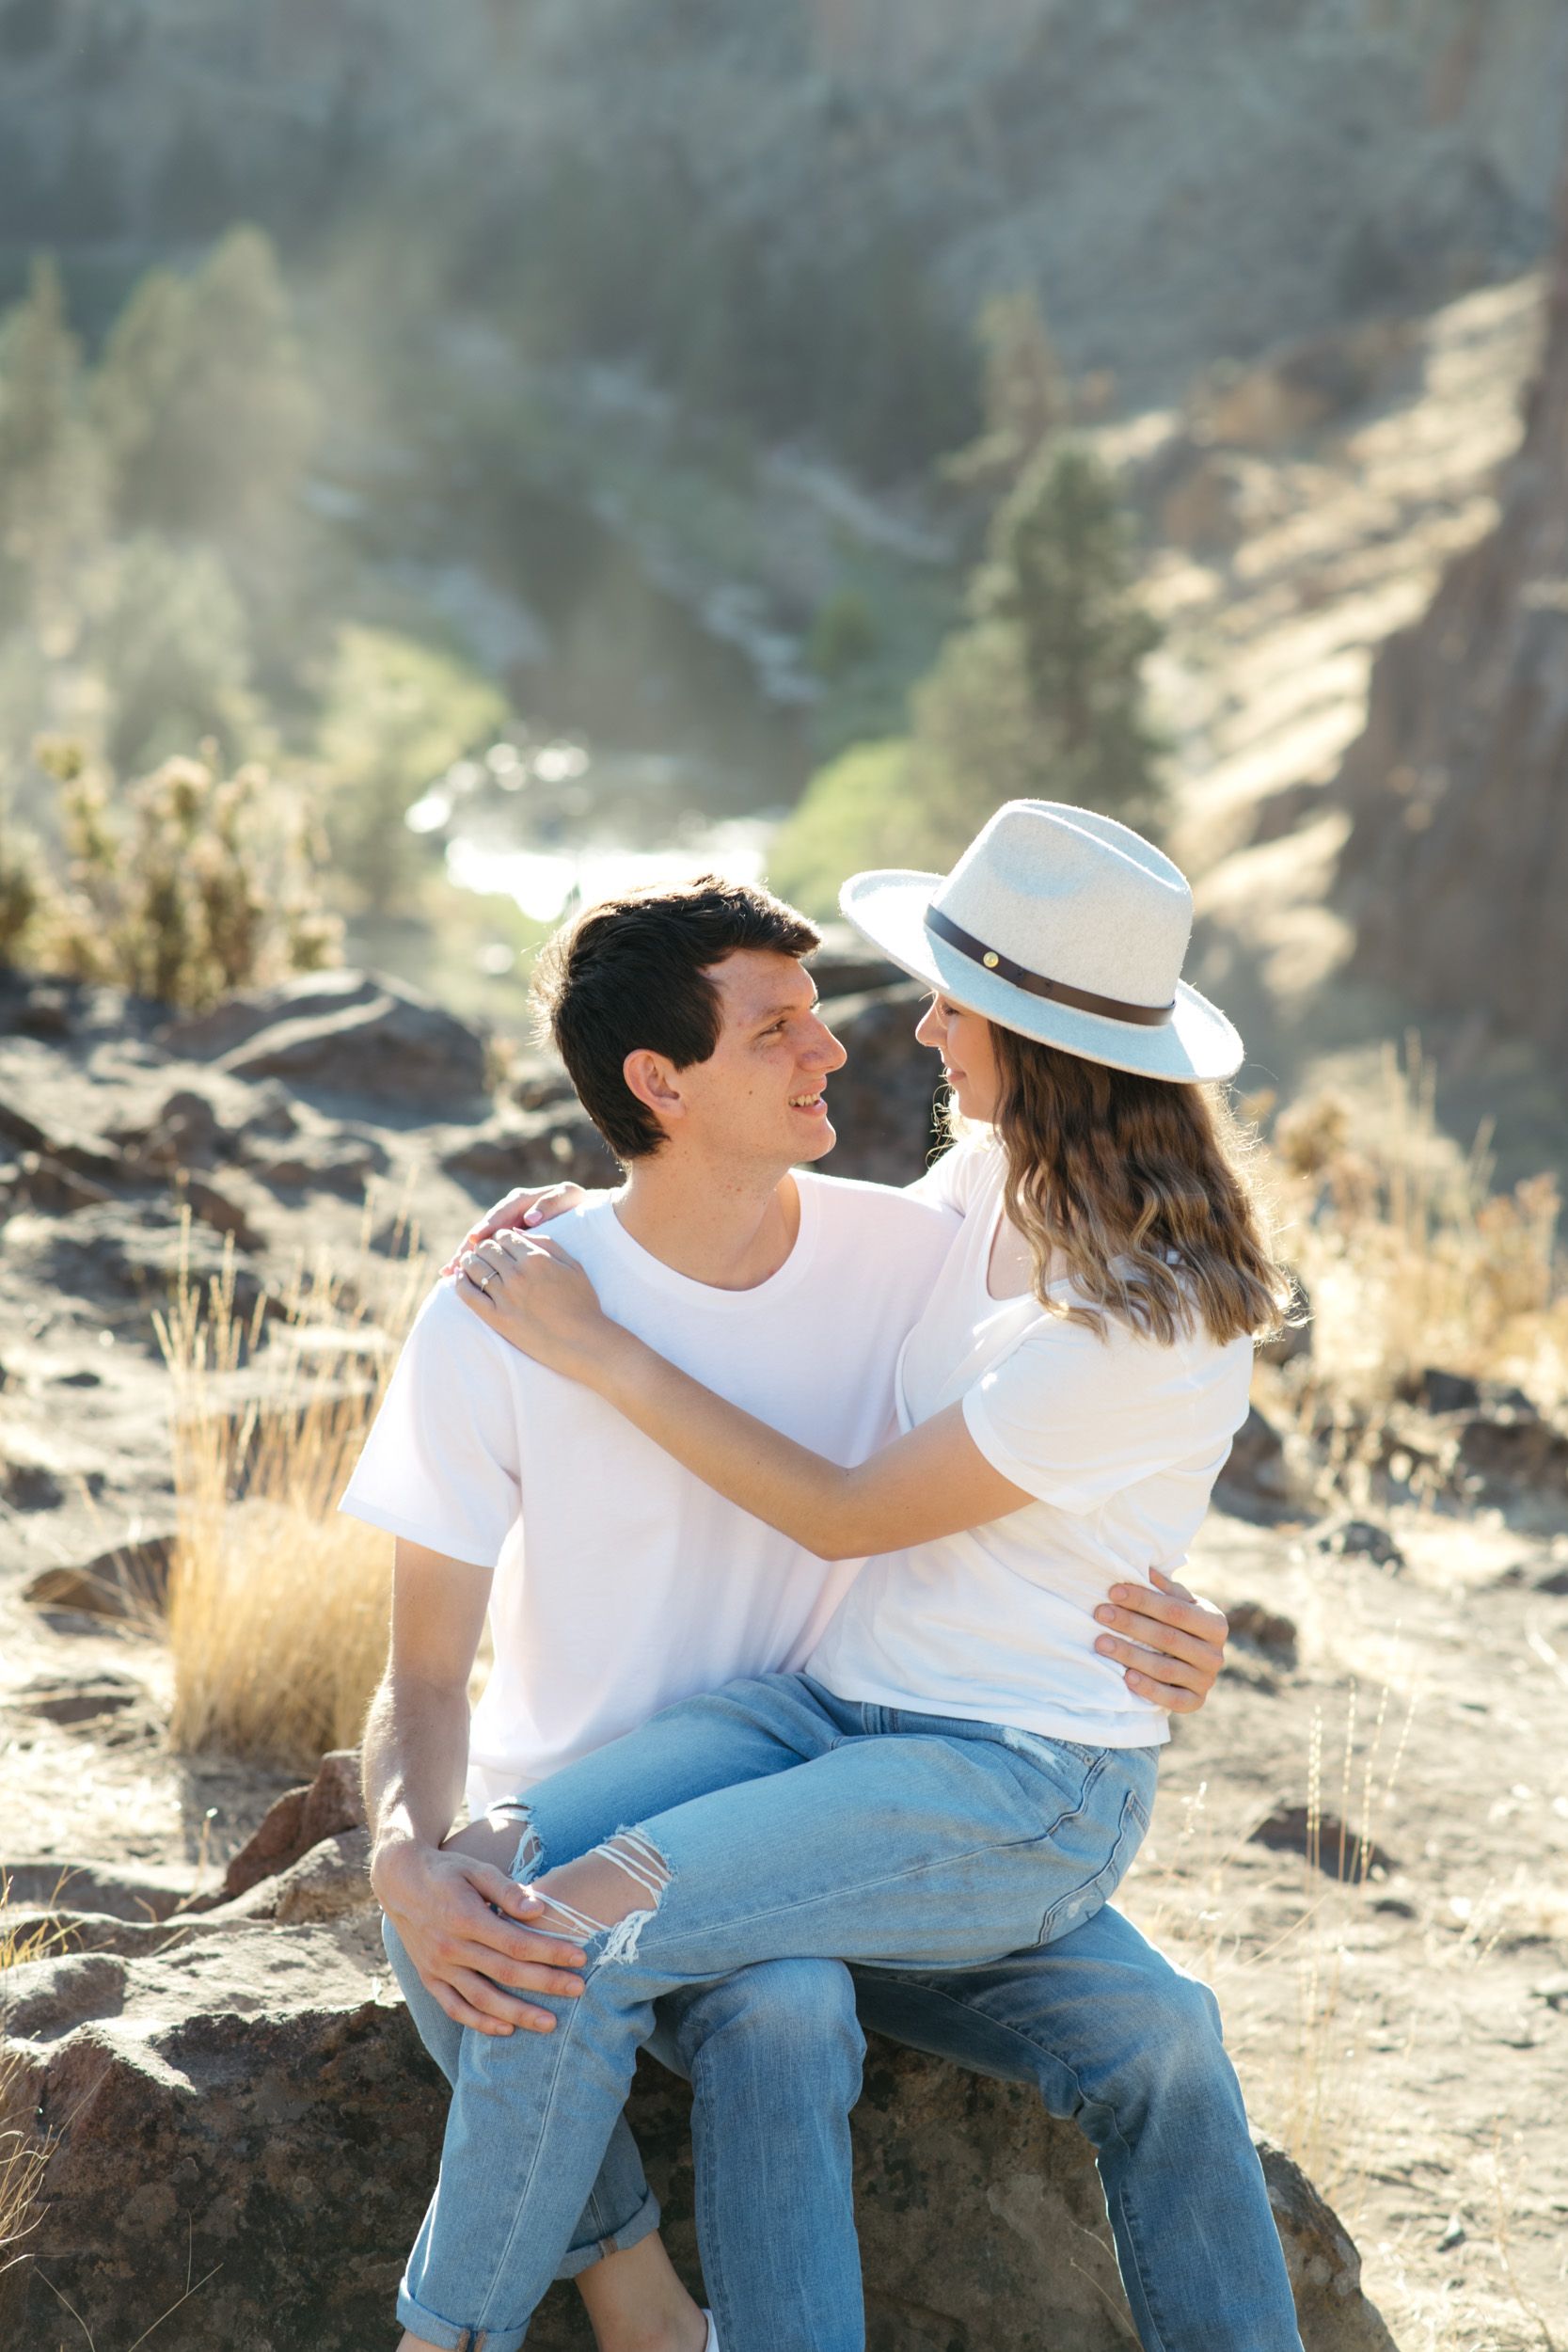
968	1057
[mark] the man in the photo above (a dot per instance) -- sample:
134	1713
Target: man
616	1585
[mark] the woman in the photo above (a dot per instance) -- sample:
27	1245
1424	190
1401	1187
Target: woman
957	1774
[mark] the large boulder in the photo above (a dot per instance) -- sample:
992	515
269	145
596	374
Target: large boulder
342	1034
244	2129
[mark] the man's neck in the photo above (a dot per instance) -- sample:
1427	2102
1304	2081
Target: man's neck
729	1228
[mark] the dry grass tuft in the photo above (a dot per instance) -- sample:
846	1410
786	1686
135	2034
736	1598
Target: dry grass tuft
22	2155
277	1607
1409	1258
1410	1261
1306	2089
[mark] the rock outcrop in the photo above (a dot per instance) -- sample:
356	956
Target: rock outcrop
243	2130
1456	869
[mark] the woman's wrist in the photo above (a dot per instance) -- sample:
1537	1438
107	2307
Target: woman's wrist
621	1365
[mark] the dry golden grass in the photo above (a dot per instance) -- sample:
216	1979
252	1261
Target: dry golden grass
1408	1256
1305	2085
22	2155
277	1607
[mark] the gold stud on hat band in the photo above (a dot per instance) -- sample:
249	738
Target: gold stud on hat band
1082	999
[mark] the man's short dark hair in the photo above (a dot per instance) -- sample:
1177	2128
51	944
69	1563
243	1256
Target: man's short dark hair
630	976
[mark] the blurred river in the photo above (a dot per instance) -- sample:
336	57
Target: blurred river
648	750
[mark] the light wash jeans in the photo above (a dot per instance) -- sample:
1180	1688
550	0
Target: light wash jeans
792	1825
1111	2035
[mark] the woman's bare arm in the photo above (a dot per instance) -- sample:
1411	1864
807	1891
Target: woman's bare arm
931	1483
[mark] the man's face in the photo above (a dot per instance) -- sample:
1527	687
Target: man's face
759	1096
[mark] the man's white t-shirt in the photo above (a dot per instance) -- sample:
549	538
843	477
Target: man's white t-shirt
622	1582
1119	1438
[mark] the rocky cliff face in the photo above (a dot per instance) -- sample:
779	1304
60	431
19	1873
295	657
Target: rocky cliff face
1456	871
1180	179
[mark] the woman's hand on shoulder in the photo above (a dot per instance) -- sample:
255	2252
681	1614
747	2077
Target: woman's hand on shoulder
525	1205
539	1300
1170	1643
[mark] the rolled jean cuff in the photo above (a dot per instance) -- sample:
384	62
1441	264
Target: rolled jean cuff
451	2338
643	2223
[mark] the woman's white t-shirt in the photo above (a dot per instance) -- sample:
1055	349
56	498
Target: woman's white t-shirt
1119	1438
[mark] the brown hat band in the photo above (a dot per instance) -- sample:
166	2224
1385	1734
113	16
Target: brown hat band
1082	999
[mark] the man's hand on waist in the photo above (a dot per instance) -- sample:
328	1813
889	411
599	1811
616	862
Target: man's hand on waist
1170	1643
444	1906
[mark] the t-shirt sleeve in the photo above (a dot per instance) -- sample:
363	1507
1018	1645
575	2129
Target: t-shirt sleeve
1074	1419
441	1464
949	1182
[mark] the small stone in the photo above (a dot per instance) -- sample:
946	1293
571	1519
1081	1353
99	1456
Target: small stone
1363	1539
1264	1628
300	1819
125	1582
81	1701
1335	1848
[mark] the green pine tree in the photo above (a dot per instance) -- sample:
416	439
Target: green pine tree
51	475
1044	692
204	403
1039	696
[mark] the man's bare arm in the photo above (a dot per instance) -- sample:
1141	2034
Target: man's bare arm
414	1759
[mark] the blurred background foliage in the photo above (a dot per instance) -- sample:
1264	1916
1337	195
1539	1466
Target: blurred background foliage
574	444
176	576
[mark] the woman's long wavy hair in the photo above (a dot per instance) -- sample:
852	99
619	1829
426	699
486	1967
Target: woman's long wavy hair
1140	1189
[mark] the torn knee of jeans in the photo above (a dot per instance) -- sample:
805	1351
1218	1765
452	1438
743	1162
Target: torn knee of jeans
614	1892
511	1813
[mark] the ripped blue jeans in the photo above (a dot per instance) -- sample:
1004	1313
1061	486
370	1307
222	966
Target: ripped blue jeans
768	1820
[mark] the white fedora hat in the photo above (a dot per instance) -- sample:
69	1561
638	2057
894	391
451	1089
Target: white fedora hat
1064	926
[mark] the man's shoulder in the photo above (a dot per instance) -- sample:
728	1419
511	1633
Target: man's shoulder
446	1329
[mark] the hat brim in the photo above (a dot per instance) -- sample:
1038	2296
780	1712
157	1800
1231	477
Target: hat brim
888	907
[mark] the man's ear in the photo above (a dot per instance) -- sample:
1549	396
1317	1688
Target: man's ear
655	1082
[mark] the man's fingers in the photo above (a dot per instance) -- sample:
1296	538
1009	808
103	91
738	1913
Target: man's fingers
1166	1640
1197	1675
463	2013
550	1981
1170	1695
490	2010
1179	1609
518	1903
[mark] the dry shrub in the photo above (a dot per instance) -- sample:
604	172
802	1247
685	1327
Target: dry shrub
1408	1256
185	886
278	1605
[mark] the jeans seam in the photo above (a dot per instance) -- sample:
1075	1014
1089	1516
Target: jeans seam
710	2246
1134	2243
560	2038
